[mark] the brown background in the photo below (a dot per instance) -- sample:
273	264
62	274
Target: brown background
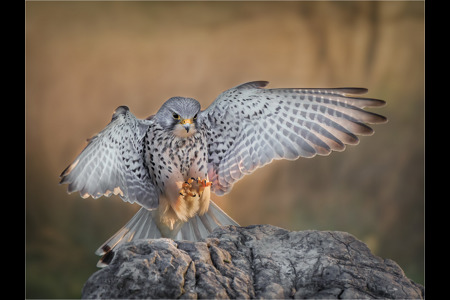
83	59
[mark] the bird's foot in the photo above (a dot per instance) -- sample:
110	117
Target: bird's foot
193	188
202	184
187	189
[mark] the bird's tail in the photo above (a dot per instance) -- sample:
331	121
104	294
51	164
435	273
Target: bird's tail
143	226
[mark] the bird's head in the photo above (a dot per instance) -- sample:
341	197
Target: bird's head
179	115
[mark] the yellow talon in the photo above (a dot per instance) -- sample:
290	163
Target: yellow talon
193	188
202	185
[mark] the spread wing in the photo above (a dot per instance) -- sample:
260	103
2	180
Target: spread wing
113	163
249	126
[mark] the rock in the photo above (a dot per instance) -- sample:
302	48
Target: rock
260	261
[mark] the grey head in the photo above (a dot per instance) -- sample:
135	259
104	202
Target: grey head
179	115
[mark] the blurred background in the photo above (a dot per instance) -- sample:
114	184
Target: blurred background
83	59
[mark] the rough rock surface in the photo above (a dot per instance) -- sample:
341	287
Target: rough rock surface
252	262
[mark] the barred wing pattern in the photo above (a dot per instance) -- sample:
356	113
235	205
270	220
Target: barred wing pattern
112	163
250	126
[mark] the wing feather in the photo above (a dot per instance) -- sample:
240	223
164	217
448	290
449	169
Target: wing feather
249	126
112	163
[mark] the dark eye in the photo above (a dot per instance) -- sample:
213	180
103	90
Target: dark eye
195	117
176	116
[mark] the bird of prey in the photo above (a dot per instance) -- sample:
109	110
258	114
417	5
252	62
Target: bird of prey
170	162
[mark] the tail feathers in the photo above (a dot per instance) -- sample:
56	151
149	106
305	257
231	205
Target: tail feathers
200	227
143	226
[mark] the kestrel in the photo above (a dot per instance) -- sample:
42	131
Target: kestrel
170	162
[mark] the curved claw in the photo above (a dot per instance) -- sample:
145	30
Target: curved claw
192	188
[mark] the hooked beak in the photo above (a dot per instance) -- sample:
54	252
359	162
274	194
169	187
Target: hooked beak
186	124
